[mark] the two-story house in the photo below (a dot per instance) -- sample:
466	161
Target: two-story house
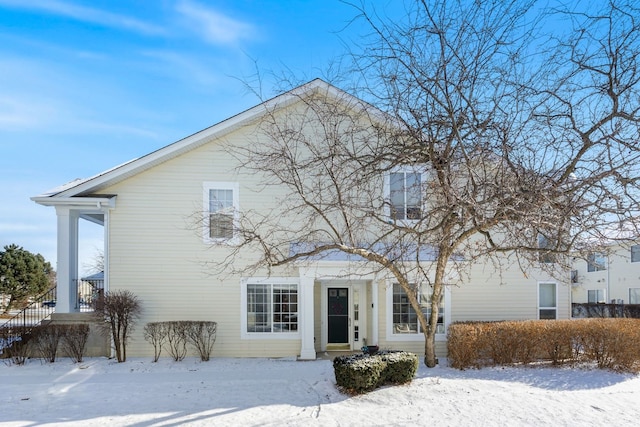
155	249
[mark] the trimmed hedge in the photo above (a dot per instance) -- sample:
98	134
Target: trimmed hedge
362	372
610	343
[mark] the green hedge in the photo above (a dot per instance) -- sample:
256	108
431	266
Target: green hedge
362	373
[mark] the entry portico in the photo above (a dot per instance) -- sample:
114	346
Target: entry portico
69	211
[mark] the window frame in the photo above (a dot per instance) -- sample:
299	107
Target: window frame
545	243
592	262
419	170
392	335
548	308
206	223
267	335
597	292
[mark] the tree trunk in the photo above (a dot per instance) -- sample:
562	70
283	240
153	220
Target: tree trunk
430	359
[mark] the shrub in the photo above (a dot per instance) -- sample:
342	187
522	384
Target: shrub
17	345
156	334
119	310
46	339
202	335
359	373
362	373
74	340
610	343
177	340
462	345
400	368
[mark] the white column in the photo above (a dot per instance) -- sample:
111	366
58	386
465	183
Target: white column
306	317
67	267
375	312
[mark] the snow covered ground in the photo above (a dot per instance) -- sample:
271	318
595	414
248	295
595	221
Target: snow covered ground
284	392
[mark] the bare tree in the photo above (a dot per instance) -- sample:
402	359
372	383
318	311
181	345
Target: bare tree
505	128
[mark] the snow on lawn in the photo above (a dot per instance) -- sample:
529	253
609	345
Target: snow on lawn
285	392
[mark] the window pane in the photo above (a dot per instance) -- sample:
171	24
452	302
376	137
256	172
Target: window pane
547	295
396	195
545	243
258	308
414	195
285	308
220	200
635	253
595	296
596	262
220	226
405	320
547	314
634	296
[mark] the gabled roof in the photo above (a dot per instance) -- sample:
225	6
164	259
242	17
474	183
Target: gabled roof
90	188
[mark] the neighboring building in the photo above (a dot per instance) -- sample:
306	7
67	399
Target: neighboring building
154	248
609	276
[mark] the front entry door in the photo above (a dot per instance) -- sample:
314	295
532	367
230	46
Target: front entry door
338	315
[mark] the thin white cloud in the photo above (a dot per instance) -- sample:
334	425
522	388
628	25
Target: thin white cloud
185	67
85	14
213	26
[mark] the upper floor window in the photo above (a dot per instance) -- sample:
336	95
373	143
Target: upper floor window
221	209
596	262
405	194
635	253
546	245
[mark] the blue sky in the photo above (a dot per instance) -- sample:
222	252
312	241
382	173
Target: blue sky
88	85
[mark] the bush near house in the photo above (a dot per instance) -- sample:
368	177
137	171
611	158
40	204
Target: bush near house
609	343
362	373
174	336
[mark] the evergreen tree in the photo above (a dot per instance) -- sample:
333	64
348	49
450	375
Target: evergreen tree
23	274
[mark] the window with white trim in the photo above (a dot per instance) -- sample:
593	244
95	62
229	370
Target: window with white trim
634	295
546	246
405	194
405	318
271	308
635	253
596	296
221	210
596	261
547	301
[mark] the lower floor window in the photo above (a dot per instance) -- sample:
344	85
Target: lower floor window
547	301
595	296
405	318
634	295
272	308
